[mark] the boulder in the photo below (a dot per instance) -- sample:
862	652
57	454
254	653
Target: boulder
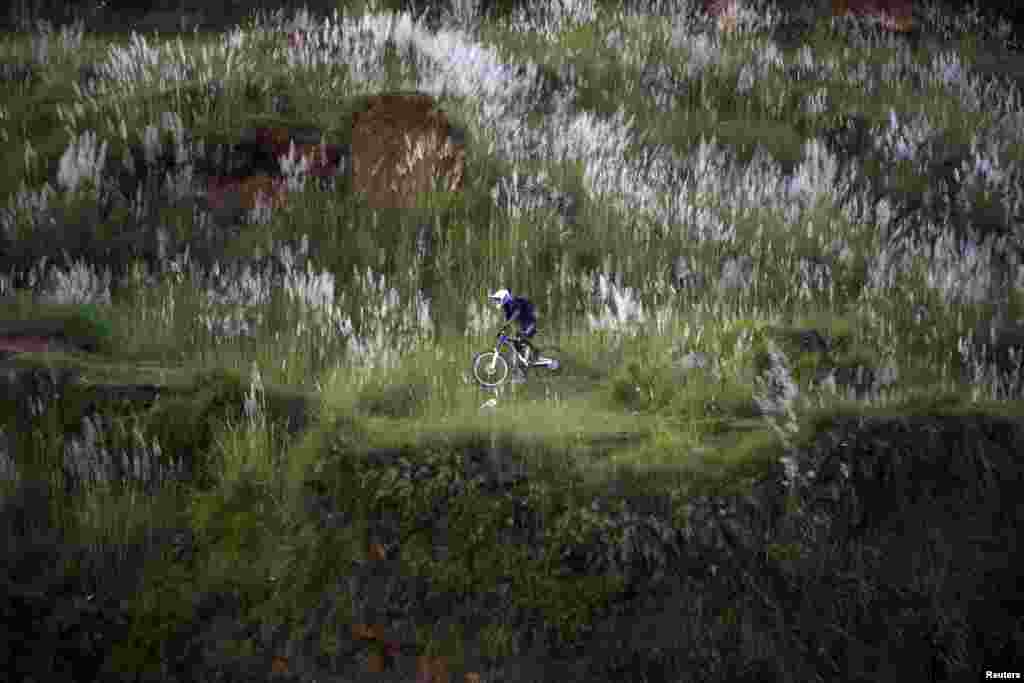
404	145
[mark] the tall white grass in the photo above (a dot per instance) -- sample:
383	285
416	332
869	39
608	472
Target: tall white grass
68	39
390	325
80	283
552	17
671	190
82	163
990	380
139	63
459	66
89	460
480	318
295	169
615	307
705	193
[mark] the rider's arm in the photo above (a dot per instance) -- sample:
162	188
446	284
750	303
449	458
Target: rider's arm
511	319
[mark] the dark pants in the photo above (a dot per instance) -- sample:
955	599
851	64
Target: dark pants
525	334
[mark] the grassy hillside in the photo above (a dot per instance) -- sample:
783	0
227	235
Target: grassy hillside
780	266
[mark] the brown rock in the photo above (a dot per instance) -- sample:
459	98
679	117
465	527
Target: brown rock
279	665
401	145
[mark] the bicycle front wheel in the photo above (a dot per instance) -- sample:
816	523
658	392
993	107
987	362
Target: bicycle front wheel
490	368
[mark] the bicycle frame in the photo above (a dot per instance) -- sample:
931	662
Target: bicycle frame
505	341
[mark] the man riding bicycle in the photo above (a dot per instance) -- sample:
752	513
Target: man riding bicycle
519	310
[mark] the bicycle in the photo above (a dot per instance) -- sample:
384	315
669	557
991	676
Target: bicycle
492	368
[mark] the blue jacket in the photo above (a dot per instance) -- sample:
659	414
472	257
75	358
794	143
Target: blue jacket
520	310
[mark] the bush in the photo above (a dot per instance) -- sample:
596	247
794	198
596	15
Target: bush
89	329
60	633
395	397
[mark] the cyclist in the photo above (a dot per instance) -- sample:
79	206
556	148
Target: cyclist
519	310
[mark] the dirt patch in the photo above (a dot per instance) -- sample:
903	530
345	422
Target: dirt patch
401	145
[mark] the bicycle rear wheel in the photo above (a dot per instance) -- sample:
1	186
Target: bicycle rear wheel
490	369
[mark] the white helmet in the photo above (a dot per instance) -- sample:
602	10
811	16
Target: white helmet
501	296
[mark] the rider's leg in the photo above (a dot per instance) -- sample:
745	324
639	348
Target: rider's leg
526	335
